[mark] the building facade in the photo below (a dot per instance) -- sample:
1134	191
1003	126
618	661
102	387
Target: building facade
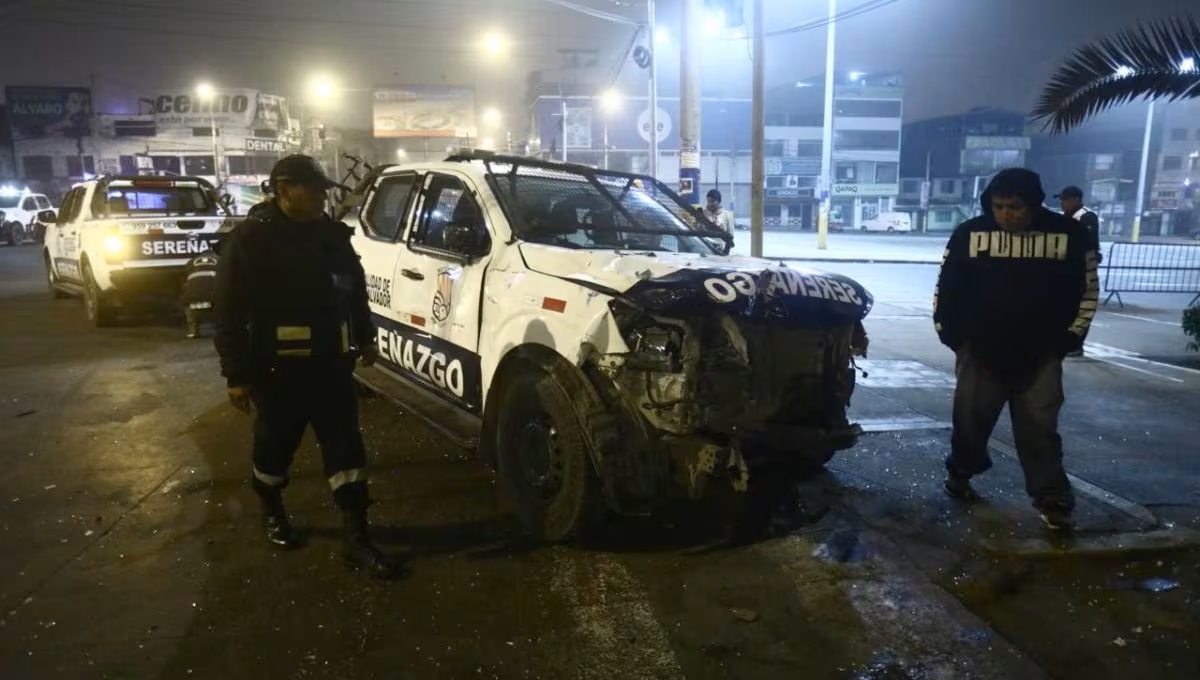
866	146
234	139
1171	197
946	163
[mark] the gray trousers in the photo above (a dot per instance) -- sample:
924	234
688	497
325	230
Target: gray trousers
1034	403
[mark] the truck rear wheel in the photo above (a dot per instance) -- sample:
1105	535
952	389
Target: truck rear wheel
543	457
99	311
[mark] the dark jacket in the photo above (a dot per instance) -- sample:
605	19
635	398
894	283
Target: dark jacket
1090	222
1016	298
288	295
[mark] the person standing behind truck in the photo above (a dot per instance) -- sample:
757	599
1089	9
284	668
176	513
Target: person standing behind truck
198	287
1070	199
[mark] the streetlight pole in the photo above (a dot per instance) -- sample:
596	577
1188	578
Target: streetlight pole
1140	204
212	112
689	103
757	134
652	37
827	132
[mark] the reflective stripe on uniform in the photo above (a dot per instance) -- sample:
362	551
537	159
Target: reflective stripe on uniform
291	333
198	275
345	477
269	480
294	352
200	305
345	337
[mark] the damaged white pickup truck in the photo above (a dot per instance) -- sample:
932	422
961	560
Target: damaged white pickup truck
586	333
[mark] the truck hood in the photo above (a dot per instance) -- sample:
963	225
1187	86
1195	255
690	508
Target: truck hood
685	283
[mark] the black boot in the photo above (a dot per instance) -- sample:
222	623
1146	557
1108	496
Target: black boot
275	519
357	550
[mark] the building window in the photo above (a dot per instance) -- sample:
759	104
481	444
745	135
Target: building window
910	186
776	119
987	161
1165	194
1197	133
772	210
76	167
868	108
198	165
867	140
39	167
775	182
808	149
947	186
804	120
1179	135
887	173
169	164
775	148
942	215
128	165
1104	161
1194	162
1172	163
846	172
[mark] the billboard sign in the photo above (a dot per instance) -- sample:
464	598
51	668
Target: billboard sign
182	109
425	111
866	189
46	112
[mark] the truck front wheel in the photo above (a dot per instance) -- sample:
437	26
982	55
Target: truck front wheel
543	456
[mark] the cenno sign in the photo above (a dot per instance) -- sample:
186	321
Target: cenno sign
183	103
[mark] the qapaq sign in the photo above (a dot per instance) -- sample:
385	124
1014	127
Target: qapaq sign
45	112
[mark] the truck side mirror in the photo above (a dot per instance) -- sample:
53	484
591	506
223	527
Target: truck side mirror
466	238
47	217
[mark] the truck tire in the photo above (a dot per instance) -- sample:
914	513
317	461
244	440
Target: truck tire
52	280
99	311
12	231
543	457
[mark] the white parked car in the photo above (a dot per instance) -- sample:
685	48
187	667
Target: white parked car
121	239
22	215
888	221
583	330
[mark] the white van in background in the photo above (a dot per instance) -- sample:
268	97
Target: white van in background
888	221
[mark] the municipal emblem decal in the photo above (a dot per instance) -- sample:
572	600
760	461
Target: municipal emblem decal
443	297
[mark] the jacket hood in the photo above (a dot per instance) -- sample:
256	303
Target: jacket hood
683	284
1025	184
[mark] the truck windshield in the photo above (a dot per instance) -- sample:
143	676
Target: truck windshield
593	209
154	200
9	201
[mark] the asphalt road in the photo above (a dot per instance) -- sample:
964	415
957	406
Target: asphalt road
131	547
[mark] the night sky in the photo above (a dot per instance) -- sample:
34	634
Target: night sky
955	54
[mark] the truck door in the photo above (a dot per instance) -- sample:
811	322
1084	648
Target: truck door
439	288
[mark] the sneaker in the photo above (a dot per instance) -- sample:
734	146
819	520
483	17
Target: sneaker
1057	519
960	489
1077	354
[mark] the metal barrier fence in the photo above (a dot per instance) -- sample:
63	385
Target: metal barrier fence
1151	268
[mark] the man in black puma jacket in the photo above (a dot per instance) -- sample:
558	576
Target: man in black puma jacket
1016	293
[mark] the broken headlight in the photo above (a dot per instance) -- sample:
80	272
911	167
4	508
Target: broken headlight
655	345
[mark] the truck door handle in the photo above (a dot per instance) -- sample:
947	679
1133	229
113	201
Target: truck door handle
412	274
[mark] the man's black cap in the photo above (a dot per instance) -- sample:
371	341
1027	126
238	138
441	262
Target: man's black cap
301	169
1070	192
714	195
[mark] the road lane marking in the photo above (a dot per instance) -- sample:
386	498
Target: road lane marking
1103	350
614	622
1143	318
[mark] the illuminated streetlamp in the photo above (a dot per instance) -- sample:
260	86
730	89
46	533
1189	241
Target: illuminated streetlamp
610	103
494	43
207	94
492	116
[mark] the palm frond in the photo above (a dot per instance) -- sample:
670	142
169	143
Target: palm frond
1141	62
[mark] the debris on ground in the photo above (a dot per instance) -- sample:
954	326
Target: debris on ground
744	615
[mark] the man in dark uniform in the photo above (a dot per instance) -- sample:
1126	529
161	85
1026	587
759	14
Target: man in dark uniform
1070	199
292	316
1017	292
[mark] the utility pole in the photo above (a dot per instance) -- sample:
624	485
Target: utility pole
212	113
652	38
689	103
1140	205
826	183
758	168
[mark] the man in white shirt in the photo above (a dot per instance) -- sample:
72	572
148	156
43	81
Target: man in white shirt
716	214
